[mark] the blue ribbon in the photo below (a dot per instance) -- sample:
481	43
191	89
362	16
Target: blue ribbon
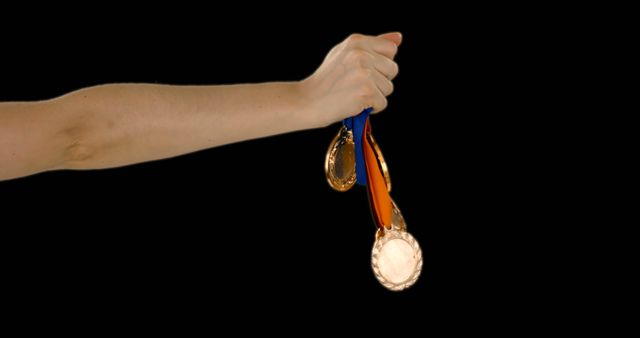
357	125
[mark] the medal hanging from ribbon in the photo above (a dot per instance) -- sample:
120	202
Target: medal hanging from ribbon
355	158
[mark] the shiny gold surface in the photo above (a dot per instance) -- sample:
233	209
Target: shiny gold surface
340	162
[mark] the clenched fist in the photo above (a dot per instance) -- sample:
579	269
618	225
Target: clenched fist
356	74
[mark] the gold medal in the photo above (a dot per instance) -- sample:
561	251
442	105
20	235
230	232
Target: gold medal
340	162
396	257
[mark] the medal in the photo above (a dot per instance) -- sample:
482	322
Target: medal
396	258
340	162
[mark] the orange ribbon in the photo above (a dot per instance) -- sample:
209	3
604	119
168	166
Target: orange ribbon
379	197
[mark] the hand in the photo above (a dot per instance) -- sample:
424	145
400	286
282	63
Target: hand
356	74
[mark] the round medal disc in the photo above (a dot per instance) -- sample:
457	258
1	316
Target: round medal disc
396	259
340	162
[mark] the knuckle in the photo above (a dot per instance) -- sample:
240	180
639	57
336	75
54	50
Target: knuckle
356	55
354	38
391	88
394	69
382	105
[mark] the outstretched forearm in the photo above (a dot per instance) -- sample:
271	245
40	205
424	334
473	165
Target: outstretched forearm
120	124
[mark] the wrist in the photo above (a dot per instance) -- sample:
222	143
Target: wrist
311	115
303	114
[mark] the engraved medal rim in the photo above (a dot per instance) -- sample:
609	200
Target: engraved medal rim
377	246
335	183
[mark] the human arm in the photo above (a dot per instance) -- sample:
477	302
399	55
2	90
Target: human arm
119	124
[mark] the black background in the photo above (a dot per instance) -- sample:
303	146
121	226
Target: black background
248	226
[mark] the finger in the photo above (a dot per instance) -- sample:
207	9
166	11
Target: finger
372	43
385	66
384	85
378	62
384	47
379	103
369	95
395	37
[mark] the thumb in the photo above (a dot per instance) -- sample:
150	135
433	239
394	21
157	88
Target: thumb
395	37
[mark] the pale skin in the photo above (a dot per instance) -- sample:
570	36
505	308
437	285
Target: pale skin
120	124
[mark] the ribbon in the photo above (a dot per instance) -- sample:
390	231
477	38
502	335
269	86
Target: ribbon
357	124
368	170
379	197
